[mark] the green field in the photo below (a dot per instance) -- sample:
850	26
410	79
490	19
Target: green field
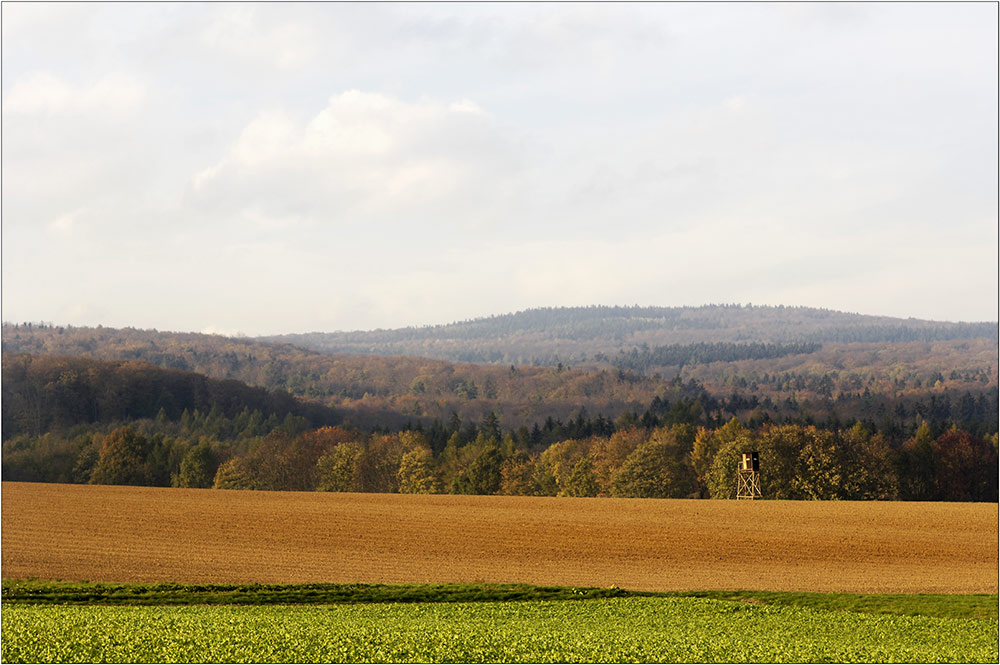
624	629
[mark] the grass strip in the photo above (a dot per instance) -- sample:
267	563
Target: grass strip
96	593
38	592
953	606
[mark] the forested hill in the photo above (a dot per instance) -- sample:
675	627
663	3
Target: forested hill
603	334
42	393
369	390
907	382
912	420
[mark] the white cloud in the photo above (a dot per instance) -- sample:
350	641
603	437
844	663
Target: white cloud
41	92
485	158
365	157
466	106
64	225
269	222
241	31
45	93
265	139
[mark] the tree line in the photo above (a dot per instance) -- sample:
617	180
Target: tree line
60	413
46	394
675	461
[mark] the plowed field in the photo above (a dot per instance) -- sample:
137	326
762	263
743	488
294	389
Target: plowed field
131	534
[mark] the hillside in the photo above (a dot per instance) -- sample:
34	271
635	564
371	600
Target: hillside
600	334
940	380
371	391
910	420
42	393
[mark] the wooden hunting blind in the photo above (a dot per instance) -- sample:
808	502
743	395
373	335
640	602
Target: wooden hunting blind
748	476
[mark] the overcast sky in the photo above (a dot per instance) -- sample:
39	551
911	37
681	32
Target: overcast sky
268	168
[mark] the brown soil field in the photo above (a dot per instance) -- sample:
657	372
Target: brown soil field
141	534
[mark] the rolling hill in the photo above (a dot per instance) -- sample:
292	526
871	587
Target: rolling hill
600	334
777	360
907	408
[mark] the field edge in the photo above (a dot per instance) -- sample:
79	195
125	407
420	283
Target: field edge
48	592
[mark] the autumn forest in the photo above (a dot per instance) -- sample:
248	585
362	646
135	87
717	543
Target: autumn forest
627	402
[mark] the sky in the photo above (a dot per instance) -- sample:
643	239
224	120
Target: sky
274	168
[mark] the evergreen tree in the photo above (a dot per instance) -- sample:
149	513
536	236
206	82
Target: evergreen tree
916	466
482	476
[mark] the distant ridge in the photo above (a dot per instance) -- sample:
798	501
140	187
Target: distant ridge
606	372
596	333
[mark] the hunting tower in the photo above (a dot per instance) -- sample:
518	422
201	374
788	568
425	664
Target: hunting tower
748	476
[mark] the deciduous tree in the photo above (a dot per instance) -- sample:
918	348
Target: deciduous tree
122	459
417	474
236	474
340	469
198	467
656	469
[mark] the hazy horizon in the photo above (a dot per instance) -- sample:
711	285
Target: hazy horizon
240	333
275	168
